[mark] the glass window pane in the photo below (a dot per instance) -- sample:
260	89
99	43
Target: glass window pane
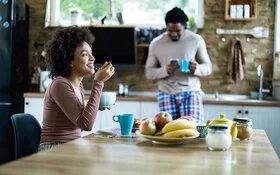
134	12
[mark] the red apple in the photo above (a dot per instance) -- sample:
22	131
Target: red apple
162	118
147	127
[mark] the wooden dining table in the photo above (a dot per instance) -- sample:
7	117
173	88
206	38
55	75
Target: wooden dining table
115	154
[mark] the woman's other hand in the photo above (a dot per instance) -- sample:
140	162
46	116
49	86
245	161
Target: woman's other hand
105	72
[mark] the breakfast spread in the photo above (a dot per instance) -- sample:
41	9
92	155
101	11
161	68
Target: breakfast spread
163	125
244	128
137	123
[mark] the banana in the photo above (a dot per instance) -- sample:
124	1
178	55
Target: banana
158	133
178	124
182	133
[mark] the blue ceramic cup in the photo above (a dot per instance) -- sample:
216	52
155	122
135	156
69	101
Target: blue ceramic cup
126	122
184	65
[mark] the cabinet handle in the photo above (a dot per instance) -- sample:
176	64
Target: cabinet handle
27	103
246	112
239	111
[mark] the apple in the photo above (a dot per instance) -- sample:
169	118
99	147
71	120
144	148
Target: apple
147	127
162	118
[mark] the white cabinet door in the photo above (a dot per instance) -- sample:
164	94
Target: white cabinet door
212	111
267	118
106	118
121	107
148	109
35	107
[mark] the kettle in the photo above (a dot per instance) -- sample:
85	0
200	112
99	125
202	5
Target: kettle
224	121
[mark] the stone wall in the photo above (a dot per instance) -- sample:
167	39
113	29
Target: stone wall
256	51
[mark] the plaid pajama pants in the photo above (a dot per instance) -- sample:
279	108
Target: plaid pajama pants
182	104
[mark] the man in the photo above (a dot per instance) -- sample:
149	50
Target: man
179	92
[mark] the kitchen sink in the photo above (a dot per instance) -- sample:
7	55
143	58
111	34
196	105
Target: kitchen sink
230	97
142	93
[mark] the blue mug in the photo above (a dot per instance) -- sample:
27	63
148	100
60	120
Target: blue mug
126	122
185	65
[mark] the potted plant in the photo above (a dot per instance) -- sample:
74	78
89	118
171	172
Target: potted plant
192	25
75	12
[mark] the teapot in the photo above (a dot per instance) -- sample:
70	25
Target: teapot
224	121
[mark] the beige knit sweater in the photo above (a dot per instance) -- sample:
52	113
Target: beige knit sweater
190	46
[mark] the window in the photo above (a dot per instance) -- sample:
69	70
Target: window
277	27
141	13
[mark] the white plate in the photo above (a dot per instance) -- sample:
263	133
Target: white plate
165	140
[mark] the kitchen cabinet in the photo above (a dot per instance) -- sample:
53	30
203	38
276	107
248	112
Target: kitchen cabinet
213	111
121	107
34	106
263	117
103	120
141	109
148	109
233	7
266	118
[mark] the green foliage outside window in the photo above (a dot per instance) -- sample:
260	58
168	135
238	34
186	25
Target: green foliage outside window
100	8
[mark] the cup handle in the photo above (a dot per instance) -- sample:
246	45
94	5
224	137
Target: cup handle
114	118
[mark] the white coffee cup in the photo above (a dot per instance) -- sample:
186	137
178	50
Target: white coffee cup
107	99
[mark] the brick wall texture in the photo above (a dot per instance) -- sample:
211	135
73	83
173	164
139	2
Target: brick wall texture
256	50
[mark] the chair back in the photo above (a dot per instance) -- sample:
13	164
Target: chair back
27	133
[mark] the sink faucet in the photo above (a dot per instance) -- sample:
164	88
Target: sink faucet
217	95
261	90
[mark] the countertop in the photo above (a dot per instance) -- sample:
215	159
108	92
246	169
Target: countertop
152	98
126	156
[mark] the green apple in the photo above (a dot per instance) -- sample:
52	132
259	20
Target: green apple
148	127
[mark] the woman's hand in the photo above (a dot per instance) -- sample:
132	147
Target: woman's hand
105	72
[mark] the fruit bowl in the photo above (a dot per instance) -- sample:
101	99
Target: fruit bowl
165	140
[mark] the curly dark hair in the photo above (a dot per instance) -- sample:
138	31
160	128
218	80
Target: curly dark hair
176	15
61	48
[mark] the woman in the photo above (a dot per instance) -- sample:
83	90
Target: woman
70	59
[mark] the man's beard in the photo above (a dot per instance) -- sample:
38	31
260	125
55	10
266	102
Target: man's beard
175	39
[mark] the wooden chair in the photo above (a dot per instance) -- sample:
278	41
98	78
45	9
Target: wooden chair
27	132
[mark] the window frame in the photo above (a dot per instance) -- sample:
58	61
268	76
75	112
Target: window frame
53	14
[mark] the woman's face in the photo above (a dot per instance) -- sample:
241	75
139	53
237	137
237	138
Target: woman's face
83	63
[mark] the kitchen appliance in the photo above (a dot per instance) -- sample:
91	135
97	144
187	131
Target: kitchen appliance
276	89
115	44
13	69
123	89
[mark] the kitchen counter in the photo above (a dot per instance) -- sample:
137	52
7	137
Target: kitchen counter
126	156
150	98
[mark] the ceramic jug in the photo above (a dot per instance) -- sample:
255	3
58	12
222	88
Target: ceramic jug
224	121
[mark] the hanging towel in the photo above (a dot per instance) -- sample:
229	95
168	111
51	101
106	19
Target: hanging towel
236	61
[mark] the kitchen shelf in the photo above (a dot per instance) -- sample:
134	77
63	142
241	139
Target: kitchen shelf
143	45
252	5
